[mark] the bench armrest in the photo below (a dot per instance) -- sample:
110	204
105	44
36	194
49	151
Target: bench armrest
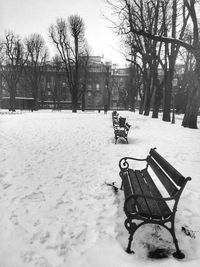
123	163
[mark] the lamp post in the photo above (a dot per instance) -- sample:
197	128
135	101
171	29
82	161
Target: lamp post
174	84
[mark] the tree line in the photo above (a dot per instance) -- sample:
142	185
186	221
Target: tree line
155	34
29	57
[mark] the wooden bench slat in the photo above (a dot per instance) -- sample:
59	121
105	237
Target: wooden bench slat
152	204
127	188
177	177
127	192
142	207
163	207
170	187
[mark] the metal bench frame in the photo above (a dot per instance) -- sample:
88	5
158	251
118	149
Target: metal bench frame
129	223
121	132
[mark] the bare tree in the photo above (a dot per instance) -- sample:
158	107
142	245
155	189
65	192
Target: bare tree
37	57
68	38
183	11
77	29
174	25
58	81
108	85
135	83
143	51
83	76
190	118
13	59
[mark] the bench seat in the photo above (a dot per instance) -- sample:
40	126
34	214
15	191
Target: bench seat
143	184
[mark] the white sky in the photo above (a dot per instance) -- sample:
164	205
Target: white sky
35	16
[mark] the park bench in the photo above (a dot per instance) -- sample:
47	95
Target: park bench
122	121
145	200
121	132
115	118
121	128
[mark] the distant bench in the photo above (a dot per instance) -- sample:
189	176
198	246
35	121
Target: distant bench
122	132
143	199
120	126
115	118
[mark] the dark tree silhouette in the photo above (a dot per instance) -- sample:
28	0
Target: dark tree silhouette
37	57
68	37
13	59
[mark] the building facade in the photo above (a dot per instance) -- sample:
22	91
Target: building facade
102	84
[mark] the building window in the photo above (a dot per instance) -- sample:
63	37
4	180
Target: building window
3	83
48	85
89	93
97	102
4	92
89	87
97	86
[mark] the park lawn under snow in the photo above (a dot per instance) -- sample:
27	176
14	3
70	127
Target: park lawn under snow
55	207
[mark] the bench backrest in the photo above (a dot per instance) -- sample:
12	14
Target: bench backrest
122	121
127	126
114	114
168	175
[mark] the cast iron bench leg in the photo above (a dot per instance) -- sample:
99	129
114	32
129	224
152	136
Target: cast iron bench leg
128	250
178	254
131	227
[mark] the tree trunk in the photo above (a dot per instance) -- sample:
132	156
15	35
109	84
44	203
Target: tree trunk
167	98
109	97
83	100
74	100
131	98
12	98
167	105
191	114
36	100
192	108
167	88
76	77
157	99
132	104
141	105
147	102
147	93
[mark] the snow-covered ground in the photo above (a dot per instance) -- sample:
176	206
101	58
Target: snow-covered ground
55	207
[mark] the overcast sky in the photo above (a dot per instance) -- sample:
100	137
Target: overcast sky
35	16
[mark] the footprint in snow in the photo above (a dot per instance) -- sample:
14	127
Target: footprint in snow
35	196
